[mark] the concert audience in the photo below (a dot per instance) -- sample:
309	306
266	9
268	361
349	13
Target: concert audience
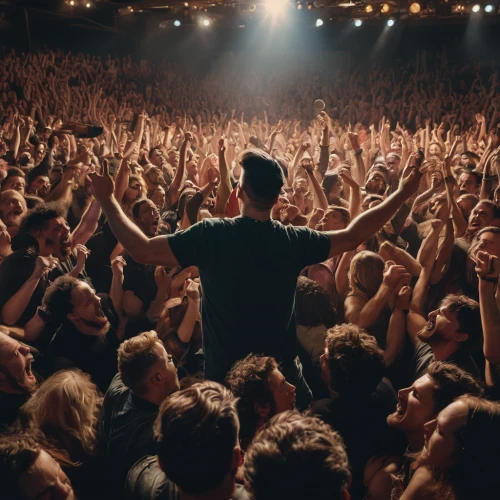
227	207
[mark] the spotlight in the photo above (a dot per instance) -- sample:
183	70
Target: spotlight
384	8
415	8
72	3
177	23
206	22
299	5
476	8
276	6
390	22
252	7
488	8
358	23
88	5
319	23
369	9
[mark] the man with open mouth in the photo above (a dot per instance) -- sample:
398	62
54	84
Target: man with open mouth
17	381
44	248
87	337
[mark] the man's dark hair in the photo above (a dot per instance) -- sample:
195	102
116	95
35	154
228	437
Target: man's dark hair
35	219
450	382
137	206
56	302
475	174
494	208
329	180
355	361
13	172
17	455
248	381
263	178
468	317
313	306
295	457
488	229
196	433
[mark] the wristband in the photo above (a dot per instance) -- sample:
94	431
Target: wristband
449	178
359	151
490	279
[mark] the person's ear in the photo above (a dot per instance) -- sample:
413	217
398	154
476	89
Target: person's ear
156	378
72	316
461	336
236	460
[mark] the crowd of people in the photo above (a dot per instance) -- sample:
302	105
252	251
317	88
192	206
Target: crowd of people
248	284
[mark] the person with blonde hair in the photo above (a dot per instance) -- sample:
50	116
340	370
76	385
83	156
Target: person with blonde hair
66	408
146	376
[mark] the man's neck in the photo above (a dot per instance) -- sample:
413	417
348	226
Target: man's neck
89	330
415	440
444	351
252	213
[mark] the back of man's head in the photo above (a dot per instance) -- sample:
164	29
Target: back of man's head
248	381
354	361
296	457
262	178
197	435
450	382
136	357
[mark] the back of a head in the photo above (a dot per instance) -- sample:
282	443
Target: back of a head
366	272
136	357
197	433
313	305
355	361
65	408
262	179
248	381
451	382
296	457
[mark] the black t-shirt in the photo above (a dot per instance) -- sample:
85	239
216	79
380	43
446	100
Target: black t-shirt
95	355
125	430
15	270
248	271
146	481
140	279
424	356
362	424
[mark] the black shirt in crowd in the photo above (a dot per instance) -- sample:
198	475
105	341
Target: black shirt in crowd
9	408
125	430
424	356
248	271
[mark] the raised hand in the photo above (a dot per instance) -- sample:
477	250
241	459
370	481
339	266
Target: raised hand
486	265
103	185
117	265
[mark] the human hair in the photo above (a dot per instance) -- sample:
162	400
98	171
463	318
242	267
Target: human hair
185	196
468	317
313	306
135	358
66	409
137	206
17	454
354	359
12	172
489	229
36	219
366	273
450	382
57	301
248	381
263	178
494	208
196	431
344	213
476	175
295	457
329	180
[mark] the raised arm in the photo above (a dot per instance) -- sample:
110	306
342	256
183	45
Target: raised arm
154	251
174	190
373	220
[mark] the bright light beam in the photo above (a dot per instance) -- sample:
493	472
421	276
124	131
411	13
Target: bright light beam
275	7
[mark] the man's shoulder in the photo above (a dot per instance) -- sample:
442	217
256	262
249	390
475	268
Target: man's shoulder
116	390
146	480
19	258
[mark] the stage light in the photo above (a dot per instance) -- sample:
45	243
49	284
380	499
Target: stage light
384	8
369	9
72	3
358	23
390	22
476	8
319	23
488	8
88	5
252	7
299	5
276	6
177	23
206	22
415	8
